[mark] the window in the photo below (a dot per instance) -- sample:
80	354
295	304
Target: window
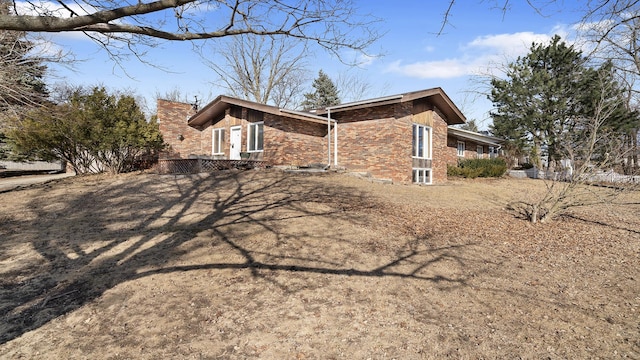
479	151
255	137
461	148
422	176
422	154
421	141
218	142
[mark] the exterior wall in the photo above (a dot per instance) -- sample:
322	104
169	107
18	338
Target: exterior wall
234	116
378	140
285	141
440	151
470	150
182	140
374	140
294	142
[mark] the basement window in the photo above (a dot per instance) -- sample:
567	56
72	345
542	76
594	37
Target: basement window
422	176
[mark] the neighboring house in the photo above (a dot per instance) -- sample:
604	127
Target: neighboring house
403	137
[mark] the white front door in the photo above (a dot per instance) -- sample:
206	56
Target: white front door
236	142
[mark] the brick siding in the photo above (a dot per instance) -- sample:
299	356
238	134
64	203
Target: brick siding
374	140
377	140
294	142
440	158
470	150
182	139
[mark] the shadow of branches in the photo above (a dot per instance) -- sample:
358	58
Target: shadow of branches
104	233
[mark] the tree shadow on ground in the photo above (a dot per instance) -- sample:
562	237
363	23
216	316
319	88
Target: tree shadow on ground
584	219
105	234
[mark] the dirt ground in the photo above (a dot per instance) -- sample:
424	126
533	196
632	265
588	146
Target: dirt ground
270	265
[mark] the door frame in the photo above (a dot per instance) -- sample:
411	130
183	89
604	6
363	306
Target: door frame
235	144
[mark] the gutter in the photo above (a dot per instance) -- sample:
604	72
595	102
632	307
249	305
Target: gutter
363	102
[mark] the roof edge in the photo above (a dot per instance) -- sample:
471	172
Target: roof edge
472	135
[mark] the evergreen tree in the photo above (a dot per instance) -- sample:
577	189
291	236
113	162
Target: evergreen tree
92	131
325	93
547	95
470	125
21	77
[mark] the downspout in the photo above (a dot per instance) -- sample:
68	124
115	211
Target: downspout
329	137
335	139
335	143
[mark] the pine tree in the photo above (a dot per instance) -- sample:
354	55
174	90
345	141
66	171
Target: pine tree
21	72
470	125
539	98
548	98
325	93
21	77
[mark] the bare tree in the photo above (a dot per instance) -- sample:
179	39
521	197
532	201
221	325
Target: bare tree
612	31
266	69
354	87
333	24
593	10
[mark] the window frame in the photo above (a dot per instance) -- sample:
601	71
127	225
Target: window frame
427	144
460	149
217	138
253	136
427	176
479	151
422	139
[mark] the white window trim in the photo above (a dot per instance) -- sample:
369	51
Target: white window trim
461	154
217	135
255	124
427	152
479	151
426	147
428	179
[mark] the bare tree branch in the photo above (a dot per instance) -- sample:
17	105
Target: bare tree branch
332	24
265	69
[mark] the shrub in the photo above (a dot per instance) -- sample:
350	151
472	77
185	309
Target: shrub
93	131
473	168
525	166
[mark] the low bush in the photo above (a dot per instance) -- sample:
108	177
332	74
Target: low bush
473	168
524	166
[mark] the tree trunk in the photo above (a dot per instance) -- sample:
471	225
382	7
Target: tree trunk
534	213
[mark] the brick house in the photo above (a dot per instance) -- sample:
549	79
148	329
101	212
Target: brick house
402	137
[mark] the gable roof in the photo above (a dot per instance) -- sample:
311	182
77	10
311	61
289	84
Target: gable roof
436	96
216	110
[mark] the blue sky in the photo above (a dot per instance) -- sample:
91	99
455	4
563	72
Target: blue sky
478	39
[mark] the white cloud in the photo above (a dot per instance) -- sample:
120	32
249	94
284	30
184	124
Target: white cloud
476	57
440	69
51	8
36	8
511	44
45	48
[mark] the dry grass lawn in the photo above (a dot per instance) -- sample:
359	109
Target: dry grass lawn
269	265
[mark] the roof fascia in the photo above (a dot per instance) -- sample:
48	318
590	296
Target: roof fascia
474	136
